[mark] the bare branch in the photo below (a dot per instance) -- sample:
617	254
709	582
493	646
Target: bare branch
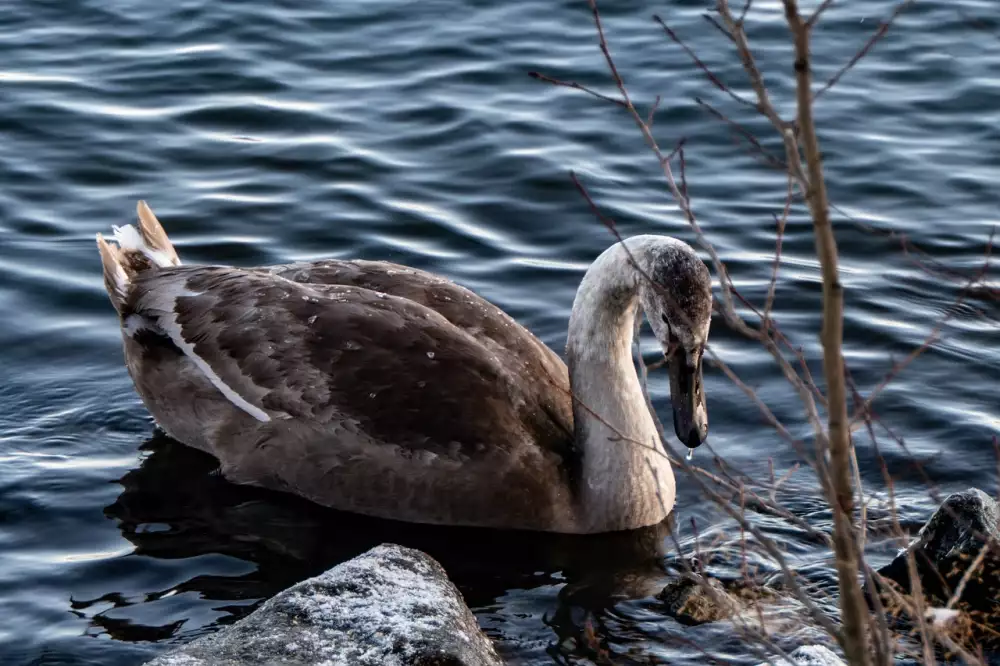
718	26
819	12
772	287
750	65
879	34
973	567
744	132
700	64
936	331
853	609
652	111
840	476
575	86
916	588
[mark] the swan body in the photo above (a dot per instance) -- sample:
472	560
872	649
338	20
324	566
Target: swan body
380	389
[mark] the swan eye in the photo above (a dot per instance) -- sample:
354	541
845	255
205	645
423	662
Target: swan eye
671	338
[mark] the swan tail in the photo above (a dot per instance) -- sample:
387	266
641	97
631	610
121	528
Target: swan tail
134	250
155	238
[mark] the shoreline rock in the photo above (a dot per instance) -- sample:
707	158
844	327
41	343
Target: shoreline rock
946	546
390	606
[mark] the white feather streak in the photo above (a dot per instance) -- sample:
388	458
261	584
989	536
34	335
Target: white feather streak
129	238
166	302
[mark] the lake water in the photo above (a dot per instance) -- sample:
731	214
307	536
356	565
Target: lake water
410	131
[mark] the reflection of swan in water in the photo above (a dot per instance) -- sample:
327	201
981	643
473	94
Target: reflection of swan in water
175	506
380	389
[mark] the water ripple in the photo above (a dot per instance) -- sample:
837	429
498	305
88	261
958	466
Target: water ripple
411	132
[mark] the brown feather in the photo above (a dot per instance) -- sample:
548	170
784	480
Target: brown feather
154	235
113	275
391	391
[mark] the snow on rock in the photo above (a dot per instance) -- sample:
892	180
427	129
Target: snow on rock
390	606
808	655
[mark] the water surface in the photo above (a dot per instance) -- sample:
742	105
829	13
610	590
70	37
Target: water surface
410	131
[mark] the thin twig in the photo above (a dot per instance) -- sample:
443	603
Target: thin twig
652	111
818	12
575	86
863	51
743	132
700	64
935	332
976	563
718	26
779	236
749	64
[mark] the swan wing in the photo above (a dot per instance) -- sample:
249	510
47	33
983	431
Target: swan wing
329	354
465	309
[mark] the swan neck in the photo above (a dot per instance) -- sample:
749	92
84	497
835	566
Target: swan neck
626	479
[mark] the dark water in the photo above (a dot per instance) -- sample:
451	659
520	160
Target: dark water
409	131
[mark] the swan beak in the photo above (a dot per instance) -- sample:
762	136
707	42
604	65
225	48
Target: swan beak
688	397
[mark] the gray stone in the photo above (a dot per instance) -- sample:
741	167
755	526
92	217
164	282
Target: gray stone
808	655
959	526
391	606
944	550
950	540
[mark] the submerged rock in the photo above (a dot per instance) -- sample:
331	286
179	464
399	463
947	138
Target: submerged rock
696	600
944	550
689	601
808	655
391	606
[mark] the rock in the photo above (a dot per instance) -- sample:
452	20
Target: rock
391	606
945	548
808	655
687	600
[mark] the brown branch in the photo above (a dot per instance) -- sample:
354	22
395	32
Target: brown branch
804	170
700	64
936	331
764	105
779	236
853	608
863	51
818	12
916	587
652	111
718	26
685	207
743	132
575	86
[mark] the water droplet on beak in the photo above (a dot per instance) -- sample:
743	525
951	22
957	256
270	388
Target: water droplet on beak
690	455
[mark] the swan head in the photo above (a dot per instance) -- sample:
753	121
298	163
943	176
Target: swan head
678	306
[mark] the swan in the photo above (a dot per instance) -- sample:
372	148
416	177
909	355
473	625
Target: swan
379	389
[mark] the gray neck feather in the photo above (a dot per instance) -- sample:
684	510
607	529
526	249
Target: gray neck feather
625	484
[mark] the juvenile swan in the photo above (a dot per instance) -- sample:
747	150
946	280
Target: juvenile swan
384	390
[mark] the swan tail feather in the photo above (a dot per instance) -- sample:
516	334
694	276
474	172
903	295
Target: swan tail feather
134	251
